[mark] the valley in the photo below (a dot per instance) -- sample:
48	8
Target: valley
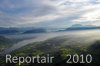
58	44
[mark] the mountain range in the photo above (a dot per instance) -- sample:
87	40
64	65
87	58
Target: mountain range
80	27
25	30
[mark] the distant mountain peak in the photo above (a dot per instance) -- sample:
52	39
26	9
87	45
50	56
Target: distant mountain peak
80	25
77	25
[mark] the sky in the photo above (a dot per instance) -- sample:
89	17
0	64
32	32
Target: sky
49	13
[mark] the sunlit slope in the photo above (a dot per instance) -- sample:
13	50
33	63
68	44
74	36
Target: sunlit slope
63	45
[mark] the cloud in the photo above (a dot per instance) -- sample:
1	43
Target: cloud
24	12
91	15
52	12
